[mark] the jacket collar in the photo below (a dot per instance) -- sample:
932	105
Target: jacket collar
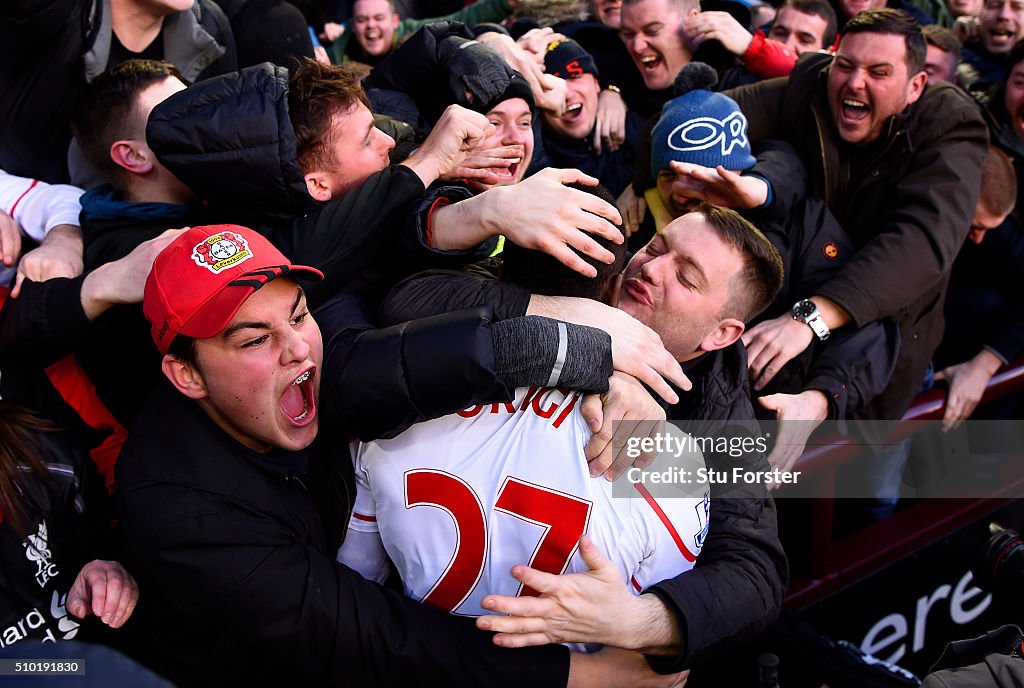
720	391
185	447
104	203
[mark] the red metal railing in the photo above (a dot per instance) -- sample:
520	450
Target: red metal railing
822	564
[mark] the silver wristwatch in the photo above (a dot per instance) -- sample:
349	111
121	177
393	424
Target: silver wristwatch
807	312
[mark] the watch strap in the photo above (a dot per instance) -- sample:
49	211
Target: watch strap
817	323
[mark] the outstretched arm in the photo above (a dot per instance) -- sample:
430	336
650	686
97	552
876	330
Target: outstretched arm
538	213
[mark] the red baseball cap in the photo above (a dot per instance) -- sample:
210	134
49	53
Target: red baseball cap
201	279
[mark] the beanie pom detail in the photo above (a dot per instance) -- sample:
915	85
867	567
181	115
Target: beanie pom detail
694	76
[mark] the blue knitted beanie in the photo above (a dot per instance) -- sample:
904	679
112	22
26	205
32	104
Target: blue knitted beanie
699	126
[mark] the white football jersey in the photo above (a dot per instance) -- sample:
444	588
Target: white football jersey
459	500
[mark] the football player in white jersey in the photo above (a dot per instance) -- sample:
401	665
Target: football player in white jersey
457	501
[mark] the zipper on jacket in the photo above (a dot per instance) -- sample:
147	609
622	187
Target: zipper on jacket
296	478
824	159
893	137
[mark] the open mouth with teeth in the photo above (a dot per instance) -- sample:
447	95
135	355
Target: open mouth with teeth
297	402
650	62
855	111
373	36
507	174
572	112
1002	35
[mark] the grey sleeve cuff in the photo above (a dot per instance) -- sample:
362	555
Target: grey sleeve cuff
539	351
995	353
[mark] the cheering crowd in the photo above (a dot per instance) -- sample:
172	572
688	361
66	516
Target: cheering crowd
322	324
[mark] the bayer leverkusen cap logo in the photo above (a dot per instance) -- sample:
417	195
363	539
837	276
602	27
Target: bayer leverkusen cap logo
221	251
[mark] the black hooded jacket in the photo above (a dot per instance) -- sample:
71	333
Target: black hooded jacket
439	65
230	140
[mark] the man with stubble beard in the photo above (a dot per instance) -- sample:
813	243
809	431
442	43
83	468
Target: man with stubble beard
898	161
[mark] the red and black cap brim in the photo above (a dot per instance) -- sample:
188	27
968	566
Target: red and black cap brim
214	315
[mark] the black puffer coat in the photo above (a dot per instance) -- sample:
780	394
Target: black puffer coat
231	141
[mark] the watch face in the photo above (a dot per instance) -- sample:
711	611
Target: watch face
804	309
